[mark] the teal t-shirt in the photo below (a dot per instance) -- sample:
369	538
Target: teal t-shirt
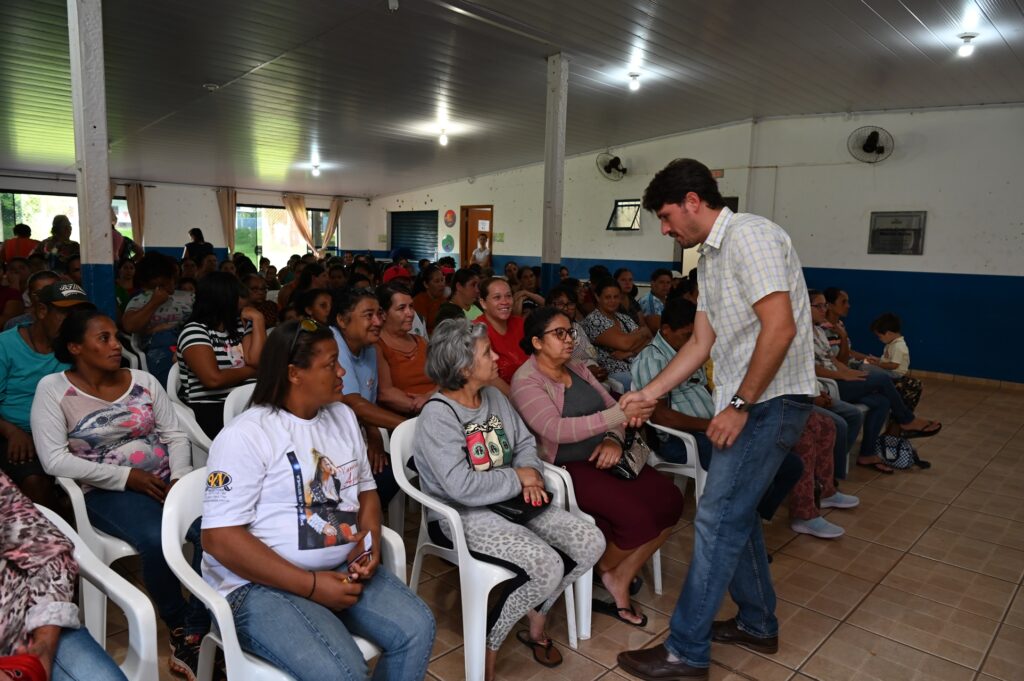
21	369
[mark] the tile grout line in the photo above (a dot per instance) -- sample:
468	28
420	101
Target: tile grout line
999	630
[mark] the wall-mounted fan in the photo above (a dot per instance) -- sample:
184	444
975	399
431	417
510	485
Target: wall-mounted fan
870	144
610	166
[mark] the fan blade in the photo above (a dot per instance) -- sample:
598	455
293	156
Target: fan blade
871	142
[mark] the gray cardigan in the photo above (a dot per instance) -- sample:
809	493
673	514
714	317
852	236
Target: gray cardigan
440	451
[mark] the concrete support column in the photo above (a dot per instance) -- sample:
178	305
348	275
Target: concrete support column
92	173
554	168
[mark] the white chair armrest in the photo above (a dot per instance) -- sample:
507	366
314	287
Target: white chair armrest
615	386
689	441
570	491
187	418
392	554
141	661
830	386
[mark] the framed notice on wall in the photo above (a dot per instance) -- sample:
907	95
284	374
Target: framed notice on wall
897	232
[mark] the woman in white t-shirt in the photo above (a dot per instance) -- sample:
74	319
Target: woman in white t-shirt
286	527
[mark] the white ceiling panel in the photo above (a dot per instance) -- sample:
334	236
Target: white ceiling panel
361	86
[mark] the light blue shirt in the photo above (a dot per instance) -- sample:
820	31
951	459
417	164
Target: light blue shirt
360	370
651	304
21	369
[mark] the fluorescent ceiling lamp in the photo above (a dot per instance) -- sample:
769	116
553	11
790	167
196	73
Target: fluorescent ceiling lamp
967	49
634	81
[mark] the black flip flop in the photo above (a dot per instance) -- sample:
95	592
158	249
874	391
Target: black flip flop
635	584
606	608
542	652
874	465
921	432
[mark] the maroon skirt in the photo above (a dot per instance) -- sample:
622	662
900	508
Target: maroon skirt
630	513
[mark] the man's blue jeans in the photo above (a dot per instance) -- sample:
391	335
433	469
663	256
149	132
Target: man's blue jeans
136	518
80	658
729	551
311	643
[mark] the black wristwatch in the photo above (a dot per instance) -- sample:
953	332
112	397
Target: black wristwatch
739	404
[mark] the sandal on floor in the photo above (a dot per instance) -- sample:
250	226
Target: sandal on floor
544	653
878	467
635	584
606	608
923	432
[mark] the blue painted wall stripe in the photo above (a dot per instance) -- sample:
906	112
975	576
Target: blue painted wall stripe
98	282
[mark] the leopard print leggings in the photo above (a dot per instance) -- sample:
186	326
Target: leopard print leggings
530	547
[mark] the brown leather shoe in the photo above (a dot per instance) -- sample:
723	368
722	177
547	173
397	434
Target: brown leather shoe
652	664
729	633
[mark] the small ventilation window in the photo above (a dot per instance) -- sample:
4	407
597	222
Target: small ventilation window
897	233
625	216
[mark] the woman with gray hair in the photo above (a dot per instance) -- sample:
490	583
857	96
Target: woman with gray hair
474	452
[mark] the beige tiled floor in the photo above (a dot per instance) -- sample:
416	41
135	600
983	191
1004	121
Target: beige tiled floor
925	586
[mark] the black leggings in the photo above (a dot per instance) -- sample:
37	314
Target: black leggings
209	416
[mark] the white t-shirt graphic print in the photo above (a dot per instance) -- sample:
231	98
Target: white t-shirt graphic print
293	483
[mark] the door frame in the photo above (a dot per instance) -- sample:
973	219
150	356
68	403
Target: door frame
467	245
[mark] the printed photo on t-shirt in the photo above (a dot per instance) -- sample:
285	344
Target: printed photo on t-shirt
325	517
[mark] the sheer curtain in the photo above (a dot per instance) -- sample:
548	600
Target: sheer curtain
227	198
295	204
337	203
136	210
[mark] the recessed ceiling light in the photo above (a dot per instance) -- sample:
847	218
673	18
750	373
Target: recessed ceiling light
443	139
967	49
634	81
316	171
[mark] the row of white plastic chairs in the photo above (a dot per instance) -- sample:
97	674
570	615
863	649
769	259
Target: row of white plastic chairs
184	504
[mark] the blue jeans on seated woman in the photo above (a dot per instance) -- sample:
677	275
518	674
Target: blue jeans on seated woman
311	643
729	551
80	658
878	393
136	518
674	451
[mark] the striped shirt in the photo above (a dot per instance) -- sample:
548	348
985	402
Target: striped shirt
745	258
690	397
228	355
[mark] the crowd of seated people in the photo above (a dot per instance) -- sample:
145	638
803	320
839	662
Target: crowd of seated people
477	355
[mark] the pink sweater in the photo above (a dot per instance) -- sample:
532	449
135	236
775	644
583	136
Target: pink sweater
539	400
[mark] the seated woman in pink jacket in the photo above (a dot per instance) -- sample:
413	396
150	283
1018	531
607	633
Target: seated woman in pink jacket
579	426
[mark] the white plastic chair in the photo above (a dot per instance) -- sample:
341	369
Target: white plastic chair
200	442
237	401
476	577
130	348
691	469
106	548
174	384
141	662
396	507
184	503
272	295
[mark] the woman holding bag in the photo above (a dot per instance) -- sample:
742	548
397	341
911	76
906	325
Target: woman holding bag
581	427
474	452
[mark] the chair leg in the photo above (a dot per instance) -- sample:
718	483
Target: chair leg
396	514
207	652
570	617
94	602
474	630
656	567
584	587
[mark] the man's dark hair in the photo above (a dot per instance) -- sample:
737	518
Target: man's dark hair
597	272
680	177
152	266
22	230
832	294
887	322
660	272
678	312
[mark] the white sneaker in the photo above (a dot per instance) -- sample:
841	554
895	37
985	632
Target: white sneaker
817	527
840	500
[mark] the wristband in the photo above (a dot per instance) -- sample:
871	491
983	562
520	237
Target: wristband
614	436
313	590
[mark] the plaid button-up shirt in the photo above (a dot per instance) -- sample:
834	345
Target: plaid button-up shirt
745	258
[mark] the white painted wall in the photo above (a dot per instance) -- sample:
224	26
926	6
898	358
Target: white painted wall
959	165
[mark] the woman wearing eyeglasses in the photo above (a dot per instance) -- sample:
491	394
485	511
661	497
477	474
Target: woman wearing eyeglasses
299	584
579	426
504	329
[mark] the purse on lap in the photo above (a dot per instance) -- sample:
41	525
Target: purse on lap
635	453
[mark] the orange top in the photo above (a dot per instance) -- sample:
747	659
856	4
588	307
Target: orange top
18	247
407	368
427	308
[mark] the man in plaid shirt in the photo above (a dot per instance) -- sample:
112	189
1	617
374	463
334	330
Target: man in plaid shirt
754	320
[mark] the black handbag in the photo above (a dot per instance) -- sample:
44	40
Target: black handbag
635	453
516	509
